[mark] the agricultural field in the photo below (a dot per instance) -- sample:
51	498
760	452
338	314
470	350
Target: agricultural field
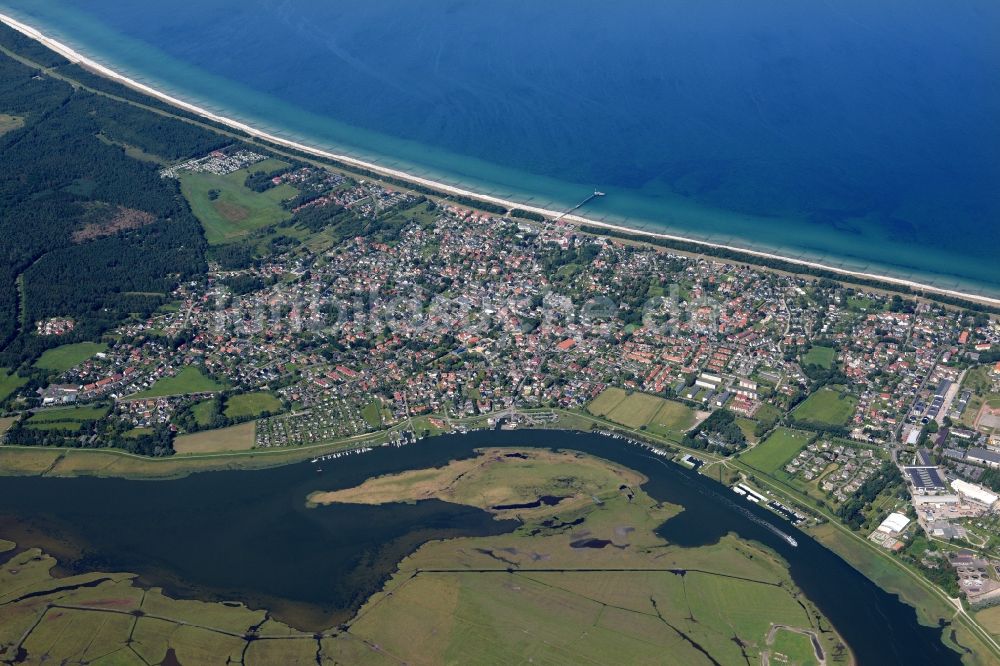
187	380
446	604
65	418
9	382
636	410
251	404
672	417
826	407
606	401
234	438
781	446
229	210
66	426
821	356
62	358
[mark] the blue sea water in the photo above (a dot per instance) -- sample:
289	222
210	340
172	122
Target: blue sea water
860	133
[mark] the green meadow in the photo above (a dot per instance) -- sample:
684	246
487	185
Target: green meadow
452	601
821	356
794	648
64	357
781	446
826	407
251	404
70	419
227	209
88	413
372	414
637	410
9	382
203	412
234	438
188	380
486	599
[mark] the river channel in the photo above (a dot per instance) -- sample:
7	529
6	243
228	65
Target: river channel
248	535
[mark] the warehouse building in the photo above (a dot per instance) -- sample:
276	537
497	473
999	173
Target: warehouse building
975	493
925	480
984	456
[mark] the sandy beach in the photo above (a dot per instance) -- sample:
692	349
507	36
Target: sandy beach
573	218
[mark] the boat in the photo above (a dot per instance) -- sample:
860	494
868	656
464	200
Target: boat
598	193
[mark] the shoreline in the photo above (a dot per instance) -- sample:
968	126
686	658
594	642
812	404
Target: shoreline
563	216
708	480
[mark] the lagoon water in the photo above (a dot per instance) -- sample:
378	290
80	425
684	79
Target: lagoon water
248	535
859	133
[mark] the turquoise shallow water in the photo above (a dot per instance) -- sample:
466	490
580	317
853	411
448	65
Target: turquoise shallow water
859	134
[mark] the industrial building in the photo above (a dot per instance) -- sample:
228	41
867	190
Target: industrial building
925	480
984	456
975	493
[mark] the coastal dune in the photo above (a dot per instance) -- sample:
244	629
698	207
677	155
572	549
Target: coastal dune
563	216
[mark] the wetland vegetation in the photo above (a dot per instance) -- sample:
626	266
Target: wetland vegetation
616	554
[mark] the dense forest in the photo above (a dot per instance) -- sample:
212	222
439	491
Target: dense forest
95	435
67	159
991	479
30	48
527	215
261	181
718	433
42	55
